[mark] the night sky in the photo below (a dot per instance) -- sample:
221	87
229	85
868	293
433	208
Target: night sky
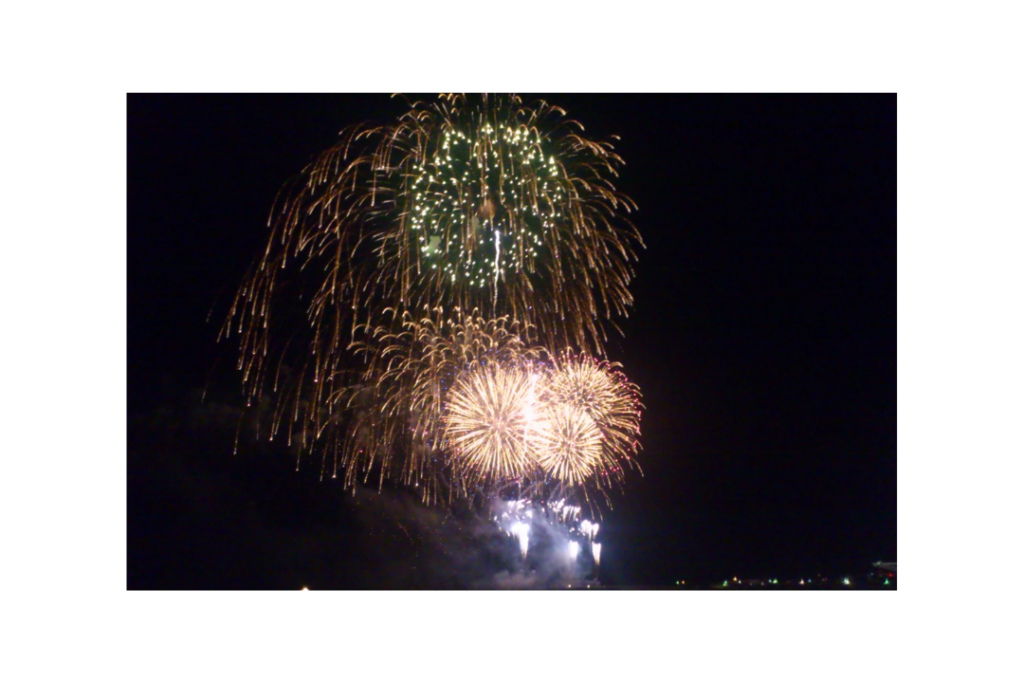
763	339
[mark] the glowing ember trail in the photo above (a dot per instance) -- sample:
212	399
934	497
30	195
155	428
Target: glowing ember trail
522	532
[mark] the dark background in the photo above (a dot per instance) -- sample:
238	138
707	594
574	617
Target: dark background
763	338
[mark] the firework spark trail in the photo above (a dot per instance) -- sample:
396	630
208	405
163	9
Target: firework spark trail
565	513
597	553
497	263
574	549
522	532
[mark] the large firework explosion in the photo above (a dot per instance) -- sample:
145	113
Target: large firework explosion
568	444
599	389
487	422
421	284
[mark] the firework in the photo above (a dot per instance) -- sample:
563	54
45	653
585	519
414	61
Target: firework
564	513
502	206
602	391
567	444
597	553
574	549
486	423
436	258
522	533
589	529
